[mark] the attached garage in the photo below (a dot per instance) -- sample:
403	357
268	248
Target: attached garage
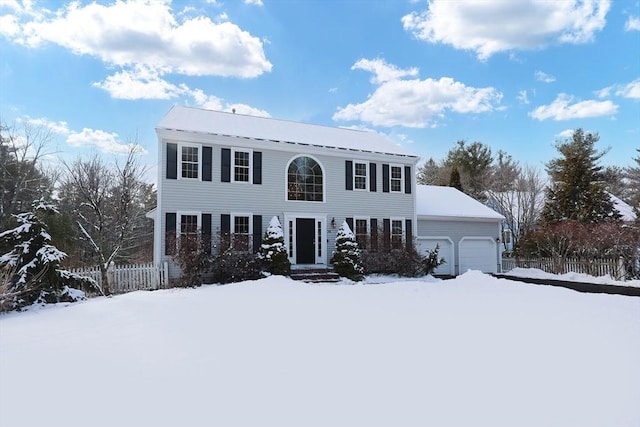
478	253
466	231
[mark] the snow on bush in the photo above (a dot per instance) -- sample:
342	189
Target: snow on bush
347	258
273	252
30	272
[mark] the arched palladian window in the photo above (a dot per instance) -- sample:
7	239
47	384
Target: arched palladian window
304	180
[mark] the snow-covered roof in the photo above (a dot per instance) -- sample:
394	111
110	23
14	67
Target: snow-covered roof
261	128
436	202
623	208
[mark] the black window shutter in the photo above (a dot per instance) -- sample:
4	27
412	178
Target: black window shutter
169	233
407	179
386	233
372	177
348	175
374	234
226	165
408	234
225	231
257	232
206	232
207	160
385	178
257	167
350	224
172	161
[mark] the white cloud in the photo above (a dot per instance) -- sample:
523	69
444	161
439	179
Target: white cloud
145	83
415	103
491	26
104	141
567	133
383	72
522	97
632	24
140	83
630	90
254	2
60	127
541	76
144	33
604	92
562	109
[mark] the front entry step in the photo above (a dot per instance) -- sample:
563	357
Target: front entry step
315	275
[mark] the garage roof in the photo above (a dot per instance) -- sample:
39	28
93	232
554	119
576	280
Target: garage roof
261	128
435	202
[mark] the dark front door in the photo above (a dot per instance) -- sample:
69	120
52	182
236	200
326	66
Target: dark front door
305	244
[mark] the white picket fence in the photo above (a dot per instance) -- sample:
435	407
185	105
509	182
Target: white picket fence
594	267
129	278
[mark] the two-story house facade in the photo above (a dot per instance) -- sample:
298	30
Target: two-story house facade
230	173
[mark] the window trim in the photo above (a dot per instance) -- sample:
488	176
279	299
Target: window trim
232	228
179	159
249	166
401	167
355	226
179	215
286	180
404	231
366	175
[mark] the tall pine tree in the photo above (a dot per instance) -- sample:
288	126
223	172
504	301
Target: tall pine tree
576	192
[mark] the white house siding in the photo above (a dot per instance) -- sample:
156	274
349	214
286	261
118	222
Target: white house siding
269	198
456	231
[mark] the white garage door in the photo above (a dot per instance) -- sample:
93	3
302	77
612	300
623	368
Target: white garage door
445	251
478	253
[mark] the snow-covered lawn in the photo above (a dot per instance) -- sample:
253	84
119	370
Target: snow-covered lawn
473	351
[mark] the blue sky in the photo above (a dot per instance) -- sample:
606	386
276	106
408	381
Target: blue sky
515	75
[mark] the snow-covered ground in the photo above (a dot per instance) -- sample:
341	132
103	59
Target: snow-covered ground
571	277
472	351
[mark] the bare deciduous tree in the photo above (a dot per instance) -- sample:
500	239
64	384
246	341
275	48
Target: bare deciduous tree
108	205
522	205
22	176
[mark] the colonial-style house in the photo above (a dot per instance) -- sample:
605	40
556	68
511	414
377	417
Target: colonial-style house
230	173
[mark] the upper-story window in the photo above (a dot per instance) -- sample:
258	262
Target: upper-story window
241	166
304	180
190	161
396	178
360	176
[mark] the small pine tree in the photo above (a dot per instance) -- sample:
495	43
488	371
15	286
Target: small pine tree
31	270
431	261
347	258
273	252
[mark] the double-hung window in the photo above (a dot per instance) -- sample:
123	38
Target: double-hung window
396	179
190	161
397	233
362	231
360	176
241	165
241	232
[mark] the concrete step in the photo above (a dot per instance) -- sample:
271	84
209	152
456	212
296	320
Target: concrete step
315	275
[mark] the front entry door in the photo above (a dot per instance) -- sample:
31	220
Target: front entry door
305	242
